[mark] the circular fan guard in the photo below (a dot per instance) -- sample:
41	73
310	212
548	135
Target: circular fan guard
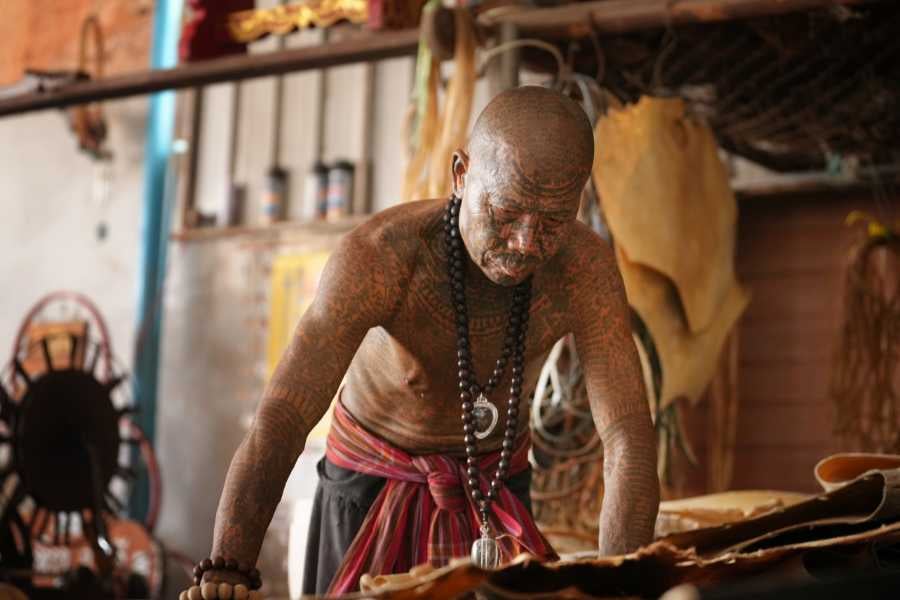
66	437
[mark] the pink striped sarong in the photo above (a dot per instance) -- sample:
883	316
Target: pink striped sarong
424	513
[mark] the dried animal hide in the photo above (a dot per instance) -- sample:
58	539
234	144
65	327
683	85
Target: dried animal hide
870	502
839	469
667	200
440	132
847	520
646	573
688	360
712	510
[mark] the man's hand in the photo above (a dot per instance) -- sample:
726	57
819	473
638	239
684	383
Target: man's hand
221	585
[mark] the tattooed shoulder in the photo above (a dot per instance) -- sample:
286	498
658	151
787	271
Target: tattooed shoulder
588	265
371	267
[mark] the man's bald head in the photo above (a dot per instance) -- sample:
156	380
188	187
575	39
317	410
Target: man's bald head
528	158
536	135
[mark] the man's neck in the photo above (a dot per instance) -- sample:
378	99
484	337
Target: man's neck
477	283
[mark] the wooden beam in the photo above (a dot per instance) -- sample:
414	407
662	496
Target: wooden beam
274	230
781	163
368	47
820	189
622	16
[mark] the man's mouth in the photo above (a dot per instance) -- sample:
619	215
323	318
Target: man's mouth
513	268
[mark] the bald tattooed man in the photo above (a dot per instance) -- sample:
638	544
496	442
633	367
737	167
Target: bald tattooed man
440	313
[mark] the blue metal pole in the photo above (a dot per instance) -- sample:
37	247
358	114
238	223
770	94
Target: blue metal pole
155	223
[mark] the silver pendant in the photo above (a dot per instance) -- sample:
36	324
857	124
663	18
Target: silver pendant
486	550
486	416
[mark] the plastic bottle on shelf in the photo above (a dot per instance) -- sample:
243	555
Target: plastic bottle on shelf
231	213
340	190
315	193
275	197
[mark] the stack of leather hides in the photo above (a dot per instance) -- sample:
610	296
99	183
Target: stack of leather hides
854	525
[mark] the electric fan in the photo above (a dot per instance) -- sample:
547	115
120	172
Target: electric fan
66	460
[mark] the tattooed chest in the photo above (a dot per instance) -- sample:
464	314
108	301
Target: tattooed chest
425	327
412	363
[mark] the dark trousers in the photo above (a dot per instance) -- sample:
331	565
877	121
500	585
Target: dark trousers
342	501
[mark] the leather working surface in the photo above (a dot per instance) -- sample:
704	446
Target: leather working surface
861	512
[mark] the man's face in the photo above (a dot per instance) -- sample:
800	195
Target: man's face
508	226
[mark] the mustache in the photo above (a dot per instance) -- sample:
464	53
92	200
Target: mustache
509	260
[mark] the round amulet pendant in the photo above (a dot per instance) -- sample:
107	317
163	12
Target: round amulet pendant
485	415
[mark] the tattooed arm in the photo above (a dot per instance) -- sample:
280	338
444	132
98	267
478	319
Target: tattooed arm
355	293
618	400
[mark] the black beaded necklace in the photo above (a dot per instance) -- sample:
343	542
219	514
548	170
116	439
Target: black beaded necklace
479	414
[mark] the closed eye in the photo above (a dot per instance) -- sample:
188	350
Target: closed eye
501	214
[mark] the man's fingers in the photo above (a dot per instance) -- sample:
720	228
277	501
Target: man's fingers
220	591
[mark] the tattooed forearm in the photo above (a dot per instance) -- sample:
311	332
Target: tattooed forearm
618	401
631	495
255	482
263	462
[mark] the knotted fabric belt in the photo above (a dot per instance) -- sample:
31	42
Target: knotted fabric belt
423	513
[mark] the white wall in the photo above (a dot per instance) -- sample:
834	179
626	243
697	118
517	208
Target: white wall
48	223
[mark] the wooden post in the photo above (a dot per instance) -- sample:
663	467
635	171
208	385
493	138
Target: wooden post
362	177
188	209
321	102
503	71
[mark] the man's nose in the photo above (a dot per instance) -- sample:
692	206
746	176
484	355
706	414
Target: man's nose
524	238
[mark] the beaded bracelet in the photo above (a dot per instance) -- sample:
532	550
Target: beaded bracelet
221	564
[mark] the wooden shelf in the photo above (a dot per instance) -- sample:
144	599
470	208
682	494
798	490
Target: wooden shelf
284	228
367	46
622	16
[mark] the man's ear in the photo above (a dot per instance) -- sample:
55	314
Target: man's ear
459	166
